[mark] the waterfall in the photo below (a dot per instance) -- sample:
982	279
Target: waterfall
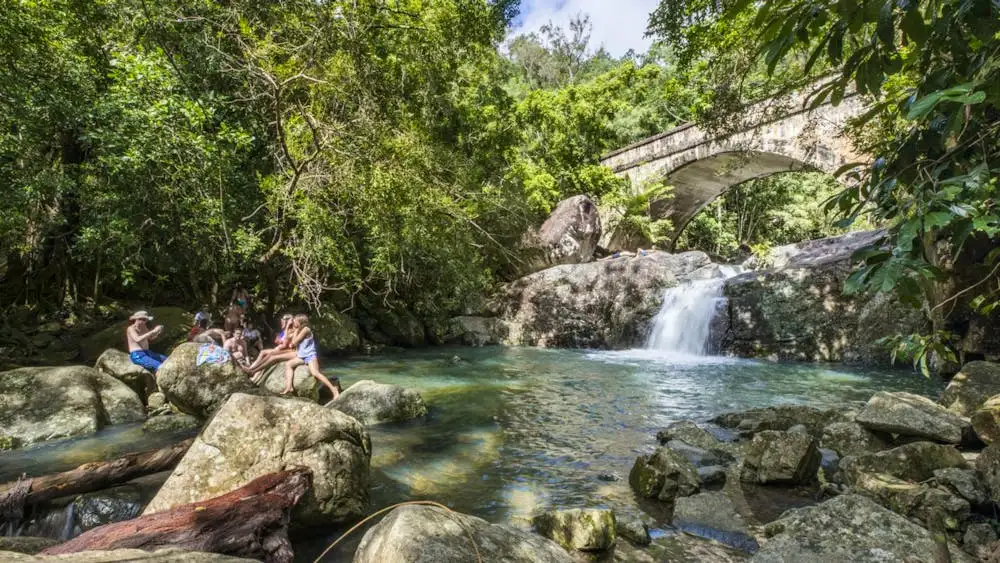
684	323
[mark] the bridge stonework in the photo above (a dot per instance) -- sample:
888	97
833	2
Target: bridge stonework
701	166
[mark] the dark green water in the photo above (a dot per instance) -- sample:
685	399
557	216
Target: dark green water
512	431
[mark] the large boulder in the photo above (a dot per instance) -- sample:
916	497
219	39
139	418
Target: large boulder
373	403
252	436
912	415
850	438
118	365
38	404
127	555
591	529
986	420
971	387
306	386
988	467
425	534
569	236
783	417
605	304
176	324
920	501
200	390
664	475
335	332
781	458
470	330
915	462
848	528
797	309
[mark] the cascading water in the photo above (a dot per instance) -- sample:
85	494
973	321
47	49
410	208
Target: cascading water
684	323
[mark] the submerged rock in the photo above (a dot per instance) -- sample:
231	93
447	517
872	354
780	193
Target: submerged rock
971	387
848	528
632	529
200	390
781	458
711	510
783	418
912	415
915	462
171	423
986	420
251	436
118	365
373	403
850	438
38	404
664	475
424	534
591	529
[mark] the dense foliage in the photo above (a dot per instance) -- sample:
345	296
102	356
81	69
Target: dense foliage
932	68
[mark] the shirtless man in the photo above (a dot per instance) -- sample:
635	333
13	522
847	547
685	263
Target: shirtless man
138	335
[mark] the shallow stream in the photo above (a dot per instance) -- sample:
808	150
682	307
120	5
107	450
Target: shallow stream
512	431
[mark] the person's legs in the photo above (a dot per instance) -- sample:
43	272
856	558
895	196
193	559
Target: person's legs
279	356
314	370
145	359
290	375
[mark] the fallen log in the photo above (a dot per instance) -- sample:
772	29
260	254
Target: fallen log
88	477
251	521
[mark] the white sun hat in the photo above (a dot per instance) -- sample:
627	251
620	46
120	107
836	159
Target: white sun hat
140	315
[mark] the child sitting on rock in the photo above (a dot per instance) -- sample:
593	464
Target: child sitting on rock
138	335
305	351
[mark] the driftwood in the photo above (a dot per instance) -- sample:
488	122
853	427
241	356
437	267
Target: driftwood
88	477
251	521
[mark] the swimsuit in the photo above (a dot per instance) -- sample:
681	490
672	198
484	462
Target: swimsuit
307	349
147	359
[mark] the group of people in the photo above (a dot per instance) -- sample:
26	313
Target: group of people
294	344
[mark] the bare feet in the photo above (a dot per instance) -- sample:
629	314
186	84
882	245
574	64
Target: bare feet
286	391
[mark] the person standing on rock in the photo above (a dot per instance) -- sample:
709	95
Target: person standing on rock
138	335
305	348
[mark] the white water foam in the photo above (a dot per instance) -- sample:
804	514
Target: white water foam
684	323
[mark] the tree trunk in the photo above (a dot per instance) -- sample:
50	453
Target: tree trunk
251	521
89	477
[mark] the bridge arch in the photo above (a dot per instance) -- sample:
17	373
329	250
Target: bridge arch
702	166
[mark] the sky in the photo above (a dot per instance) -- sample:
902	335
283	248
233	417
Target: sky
619	25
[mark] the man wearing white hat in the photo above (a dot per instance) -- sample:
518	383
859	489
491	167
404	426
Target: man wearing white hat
139	335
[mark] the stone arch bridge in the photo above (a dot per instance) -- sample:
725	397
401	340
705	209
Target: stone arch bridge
775	136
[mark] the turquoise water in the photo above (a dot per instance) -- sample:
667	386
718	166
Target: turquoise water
512	431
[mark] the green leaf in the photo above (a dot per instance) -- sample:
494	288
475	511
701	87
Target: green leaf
884	27
923	106
913	24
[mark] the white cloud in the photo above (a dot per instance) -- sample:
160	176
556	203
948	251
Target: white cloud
619	25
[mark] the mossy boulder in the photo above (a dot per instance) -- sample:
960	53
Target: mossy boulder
664	475
38	404
335	332
790	458
971	387
118	365
850	438
920	501
591	529
305	385
200	390
914	462
251	436
908	414
986	420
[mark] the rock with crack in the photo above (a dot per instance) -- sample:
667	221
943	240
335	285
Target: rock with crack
664	475
426	534
781	458
252	436
907	414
